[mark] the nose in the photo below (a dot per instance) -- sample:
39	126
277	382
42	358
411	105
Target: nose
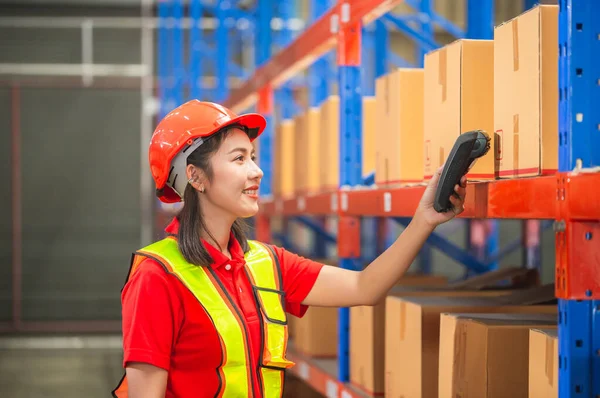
256	172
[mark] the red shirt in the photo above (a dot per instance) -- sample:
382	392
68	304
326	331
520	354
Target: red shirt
164	325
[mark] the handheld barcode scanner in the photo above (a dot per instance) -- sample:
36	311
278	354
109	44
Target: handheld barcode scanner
466	150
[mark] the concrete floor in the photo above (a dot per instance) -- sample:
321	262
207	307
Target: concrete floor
74	366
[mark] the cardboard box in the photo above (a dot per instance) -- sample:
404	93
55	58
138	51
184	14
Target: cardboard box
316	333
367	335
526	93
486	355
283	185
300	156
329	158
459	81
369	112
309	151
543	363
412	330
399	127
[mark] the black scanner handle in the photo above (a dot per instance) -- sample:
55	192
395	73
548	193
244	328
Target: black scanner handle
466	150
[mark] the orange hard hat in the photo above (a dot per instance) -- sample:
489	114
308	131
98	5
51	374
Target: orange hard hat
183	130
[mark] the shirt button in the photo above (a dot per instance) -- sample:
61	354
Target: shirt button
228	267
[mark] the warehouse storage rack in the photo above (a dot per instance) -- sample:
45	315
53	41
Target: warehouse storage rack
569	200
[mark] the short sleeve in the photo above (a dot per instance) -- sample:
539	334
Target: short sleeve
152	315
299	274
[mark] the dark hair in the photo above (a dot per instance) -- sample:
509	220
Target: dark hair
191	221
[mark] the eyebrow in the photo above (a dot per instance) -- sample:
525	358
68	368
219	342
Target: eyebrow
240	149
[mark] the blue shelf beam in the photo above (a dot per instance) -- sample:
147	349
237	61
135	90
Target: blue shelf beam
317	228
319	71
197	50
265	101
222	44
480	19
451	250
528	4
426	8
382	49
284	95
431	17
426	43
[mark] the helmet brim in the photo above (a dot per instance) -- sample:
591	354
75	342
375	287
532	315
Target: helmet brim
253	122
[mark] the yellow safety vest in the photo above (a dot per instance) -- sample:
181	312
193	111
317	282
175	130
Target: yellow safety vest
236	374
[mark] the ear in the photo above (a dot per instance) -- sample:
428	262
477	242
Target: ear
195	177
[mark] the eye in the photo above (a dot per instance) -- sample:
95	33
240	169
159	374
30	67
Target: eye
240	158
253	158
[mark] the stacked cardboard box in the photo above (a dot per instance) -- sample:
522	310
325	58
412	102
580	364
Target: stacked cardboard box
399	127
329	128
329	148
367	329
526	93
543	363
316	333
459	83
413	331
498	343
367	323
283	158
368	135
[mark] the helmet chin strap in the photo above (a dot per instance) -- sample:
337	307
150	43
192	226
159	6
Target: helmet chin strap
177	177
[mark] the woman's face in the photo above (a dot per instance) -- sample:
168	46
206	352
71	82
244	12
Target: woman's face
236	177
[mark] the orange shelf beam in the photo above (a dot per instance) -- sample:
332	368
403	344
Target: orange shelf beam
563	196
315	41
531	198
581	200
317	204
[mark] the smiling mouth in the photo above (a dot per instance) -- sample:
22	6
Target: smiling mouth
252	192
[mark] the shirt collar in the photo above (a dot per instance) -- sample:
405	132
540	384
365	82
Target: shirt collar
219	259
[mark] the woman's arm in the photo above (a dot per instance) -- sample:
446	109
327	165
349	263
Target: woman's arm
146	381
338	287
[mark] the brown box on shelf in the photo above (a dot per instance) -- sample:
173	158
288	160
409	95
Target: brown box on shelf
543	363
368	135
412	329
316	333
329	132
367	323
310	150
496	343
399	127
283	184
300	156
526	93
459	84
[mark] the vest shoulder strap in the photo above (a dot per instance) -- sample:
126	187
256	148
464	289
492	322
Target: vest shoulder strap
264	266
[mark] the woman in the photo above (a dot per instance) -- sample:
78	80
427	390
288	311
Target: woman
204	308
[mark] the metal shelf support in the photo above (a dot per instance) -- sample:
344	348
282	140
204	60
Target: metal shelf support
576	252
349	83
264	106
